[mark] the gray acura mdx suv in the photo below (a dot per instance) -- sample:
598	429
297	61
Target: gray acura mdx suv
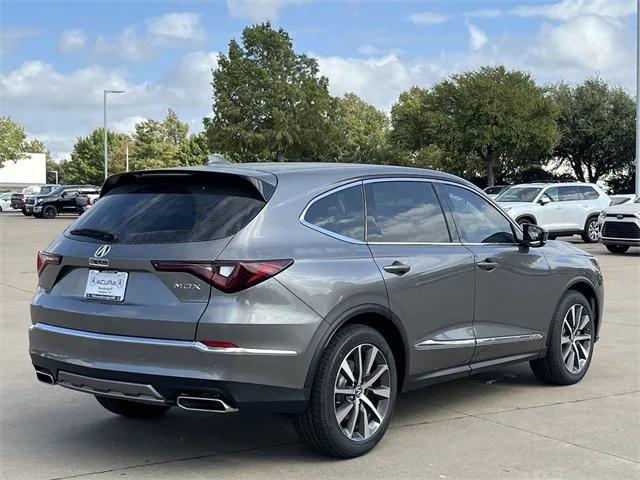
316	290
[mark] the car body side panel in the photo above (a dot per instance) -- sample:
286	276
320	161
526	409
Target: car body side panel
434	300
516	298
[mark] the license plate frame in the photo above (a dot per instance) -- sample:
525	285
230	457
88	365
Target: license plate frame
106	285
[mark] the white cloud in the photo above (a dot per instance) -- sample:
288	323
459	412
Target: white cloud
590	42
570	9
72	40
9	36
127	124
259	10
428	18
57	106
368	50
183	27
484	13
170	30
477	38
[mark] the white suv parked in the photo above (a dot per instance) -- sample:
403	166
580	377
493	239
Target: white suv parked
561	208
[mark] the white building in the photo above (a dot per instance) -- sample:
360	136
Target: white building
30	170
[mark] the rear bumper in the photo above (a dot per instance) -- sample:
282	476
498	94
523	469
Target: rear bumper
166	389
246	378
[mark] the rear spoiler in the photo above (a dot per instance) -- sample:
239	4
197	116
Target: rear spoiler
264	183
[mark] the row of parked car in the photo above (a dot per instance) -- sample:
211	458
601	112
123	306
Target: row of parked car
48	201
571	208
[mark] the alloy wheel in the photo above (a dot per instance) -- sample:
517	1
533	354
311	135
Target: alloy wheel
576	338
361	392
593	230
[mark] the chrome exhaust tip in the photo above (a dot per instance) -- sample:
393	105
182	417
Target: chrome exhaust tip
45	377
204	404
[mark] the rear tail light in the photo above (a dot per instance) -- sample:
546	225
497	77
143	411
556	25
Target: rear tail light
43	259
228	277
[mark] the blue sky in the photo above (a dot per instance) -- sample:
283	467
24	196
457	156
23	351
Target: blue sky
57	57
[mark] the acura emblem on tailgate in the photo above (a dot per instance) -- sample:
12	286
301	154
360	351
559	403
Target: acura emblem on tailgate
102	251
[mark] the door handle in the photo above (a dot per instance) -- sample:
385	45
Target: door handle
397	268
488	265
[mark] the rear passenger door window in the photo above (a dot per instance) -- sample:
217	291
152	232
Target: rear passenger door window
570	193
340	213
477	220
404	212
589	193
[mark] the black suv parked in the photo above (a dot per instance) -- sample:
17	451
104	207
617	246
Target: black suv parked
60	200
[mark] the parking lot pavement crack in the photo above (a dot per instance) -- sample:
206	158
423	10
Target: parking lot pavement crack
16	288
483	417
175	460
530	407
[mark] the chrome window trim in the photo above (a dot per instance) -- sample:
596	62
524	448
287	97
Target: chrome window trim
363	182
159	341
472	342
329	232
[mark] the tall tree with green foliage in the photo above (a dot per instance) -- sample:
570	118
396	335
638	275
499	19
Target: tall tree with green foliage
492	120
597	129
165	144
12	139
270	103
361	132
87	158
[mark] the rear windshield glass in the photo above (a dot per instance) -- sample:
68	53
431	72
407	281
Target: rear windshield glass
173	210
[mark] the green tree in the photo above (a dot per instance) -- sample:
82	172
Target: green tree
12	138
166	144
53	166
269	102
361	132
597	129
490	120
86	164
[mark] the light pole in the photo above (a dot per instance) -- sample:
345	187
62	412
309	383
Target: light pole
106	148
56	172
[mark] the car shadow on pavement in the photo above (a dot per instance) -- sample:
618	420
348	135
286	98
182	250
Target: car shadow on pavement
101	437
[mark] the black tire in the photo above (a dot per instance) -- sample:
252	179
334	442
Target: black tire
592	223
552	369
318	426
617	248
130	409
49	212
25	213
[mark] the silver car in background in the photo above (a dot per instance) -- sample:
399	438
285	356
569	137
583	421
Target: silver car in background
317	290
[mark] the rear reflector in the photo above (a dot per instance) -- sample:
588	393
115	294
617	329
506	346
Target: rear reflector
43	259
228	277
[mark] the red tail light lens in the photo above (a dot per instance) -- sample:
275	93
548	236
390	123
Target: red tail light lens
228	277
43	259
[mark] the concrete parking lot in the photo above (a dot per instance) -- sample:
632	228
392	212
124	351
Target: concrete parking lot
502	424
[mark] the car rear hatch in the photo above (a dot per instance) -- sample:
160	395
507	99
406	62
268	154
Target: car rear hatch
102	276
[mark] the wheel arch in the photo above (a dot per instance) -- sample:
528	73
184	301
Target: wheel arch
586	288
380	319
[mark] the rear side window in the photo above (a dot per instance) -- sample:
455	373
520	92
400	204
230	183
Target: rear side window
569	193
174	210
589	193
341	212
407	212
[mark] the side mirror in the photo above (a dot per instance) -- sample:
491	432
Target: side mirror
533	235
544	200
